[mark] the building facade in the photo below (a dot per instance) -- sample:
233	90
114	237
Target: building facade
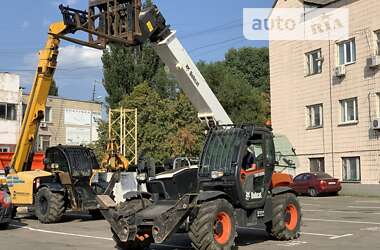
66	121
326	95
10	97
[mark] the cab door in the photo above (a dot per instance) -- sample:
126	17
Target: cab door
255	176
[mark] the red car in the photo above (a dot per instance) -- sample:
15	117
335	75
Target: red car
314	184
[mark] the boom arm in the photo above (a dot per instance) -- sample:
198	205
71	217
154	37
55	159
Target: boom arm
37	99
191	81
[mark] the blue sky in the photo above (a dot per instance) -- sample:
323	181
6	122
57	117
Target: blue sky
207	29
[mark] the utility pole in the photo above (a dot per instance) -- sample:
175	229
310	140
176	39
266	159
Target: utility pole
94	92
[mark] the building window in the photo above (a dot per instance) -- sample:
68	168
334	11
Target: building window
377	37
349	110
317	165
351	169
48	115
4	149
315	116
347	52
43	143
8	111
314	62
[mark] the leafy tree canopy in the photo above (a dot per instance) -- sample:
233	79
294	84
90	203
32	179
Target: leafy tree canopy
252	64
53	91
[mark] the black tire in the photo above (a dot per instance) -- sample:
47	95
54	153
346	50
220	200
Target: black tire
96	214
49	206
286	222
4	226
137	206
312	192
214	226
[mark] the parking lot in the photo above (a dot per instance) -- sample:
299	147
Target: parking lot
328	223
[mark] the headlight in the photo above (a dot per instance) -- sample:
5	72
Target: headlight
141	177
217	174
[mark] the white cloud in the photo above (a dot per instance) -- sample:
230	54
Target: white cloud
25	24
71	2
46	22
78	56
72	57
67	2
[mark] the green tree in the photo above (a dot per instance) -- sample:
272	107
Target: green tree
53	91
252	64
243	102
124	68
167	127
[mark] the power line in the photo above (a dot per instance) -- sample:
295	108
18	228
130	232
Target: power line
217	43
207	52
218	28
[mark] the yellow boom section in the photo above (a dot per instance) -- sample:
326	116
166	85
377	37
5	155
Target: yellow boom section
38	96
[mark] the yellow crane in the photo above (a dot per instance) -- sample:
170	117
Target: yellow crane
20	180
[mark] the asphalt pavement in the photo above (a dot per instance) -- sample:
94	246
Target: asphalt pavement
329	223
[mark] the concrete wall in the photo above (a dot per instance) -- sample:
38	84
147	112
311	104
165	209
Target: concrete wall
292	91
366	190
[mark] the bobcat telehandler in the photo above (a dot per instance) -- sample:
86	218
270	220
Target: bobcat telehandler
233	185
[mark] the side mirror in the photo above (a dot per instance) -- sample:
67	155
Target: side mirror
278	157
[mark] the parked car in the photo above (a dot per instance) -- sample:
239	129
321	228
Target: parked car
314	184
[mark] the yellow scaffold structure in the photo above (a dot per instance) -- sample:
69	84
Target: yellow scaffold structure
122	134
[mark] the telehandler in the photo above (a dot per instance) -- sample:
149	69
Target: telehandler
233	185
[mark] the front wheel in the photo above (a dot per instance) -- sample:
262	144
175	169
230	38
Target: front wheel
214	226
49	206
286	217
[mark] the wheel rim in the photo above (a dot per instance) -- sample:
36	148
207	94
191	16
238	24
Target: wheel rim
291	217
312	192
44	205
222	228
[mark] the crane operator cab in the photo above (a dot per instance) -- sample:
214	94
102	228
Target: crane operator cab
252	171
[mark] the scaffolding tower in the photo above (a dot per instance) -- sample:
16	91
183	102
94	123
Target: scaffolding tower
123	130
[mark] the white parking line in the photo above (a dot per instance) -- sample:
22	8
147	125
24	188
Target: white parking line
60	233
331	236
340	236
371	229
307	204
292	243
343	221
368	202
337	211
363	207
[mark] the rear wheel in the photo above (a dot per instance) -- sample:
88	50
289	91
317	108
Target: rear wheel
214	227
312	192
137	244
4	226
49	206
286	222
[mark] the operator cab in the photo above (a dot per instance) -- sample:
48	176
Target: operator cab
239	155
